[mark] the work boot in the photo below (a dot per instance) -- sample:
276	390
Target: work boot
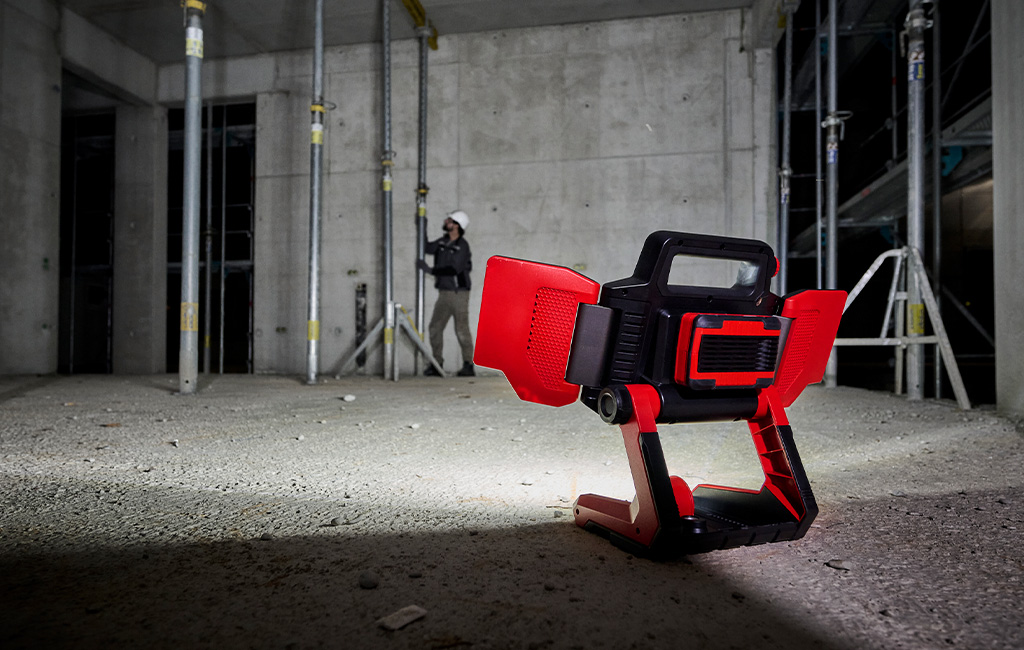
467	370
431	371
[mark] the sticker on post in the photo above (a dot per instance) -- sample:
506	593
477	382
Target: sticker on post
194	42
190	317
915	69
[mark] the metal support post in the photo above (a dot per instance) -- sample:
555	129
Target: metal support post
387	322
316	156
386	165
786	172
832	123
818	180
188	353
937	183
423	33
914	26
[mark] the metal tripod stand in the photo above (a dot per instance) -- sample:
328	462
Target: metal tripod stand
404	325
908	259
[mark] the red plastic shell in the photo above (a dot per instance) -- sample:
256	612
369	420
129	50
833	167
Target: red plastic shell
527	315
636	519
816	316
688	351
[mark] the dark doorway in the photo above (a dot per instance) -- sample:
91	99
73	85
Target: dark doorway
86	243
226	213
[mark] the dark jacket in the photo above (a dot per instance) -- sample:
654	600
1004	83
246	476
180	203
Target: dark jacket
452	263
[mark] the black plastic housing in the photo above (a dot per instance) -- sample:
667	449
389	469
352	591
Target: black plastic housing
639	325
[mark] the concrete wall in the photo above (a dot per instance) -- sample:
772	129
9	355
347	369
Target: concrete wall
30	77
140	240
565	145
1008	196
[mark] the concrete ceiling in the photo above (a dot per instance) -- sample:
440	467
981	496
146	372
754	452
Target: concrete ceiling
246	27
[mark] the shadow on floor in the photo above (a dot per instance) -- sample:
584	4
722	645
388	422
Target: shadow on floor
545	586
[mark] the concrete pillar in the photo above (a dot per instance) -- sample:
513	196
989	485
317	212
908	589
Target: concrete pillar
30	77
1008	196
140	240
281	235
765	224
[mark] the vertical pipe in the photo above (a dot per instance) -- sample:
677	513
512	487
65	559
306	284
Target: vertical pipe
422	189
915	25
316	153
208	239
386	165
786	171
74	248
893	107
832	123
188	353
819	182
937	182
223	224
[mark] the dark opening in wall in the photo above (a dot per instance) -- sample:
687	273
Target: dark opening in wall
86	243
229	219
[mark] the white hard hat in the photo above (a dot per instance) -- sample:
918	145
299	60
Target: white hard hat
459	217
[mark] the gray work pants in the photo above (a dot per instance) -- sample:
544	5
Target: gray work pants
451	304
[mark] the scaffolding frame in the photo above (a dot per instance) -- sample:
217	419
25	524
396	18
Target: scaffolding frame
918	20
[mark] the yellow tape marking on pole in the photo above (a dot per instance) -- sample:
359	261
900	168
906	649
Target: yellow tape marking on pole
194	4
389	335
207	340
190	317
317	134
916	318
313	330
386	185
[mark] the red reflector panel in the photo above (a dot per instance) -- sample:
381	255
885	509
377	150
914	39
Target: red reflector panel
721	351
527	315
816	316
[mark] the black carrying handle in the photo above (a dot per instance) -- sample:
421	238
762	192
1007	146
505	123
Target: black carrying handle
661	247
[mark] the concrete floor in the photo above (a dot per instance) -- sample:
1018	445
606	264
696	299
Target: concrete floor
133	517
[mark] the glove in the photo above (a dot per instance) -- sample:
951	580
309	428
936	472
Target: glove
423	266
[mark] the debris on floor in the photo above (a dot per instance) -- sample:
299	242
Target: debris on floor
402	617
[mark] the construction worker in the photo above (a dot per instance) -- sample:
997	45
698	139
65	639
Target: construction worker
452	264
